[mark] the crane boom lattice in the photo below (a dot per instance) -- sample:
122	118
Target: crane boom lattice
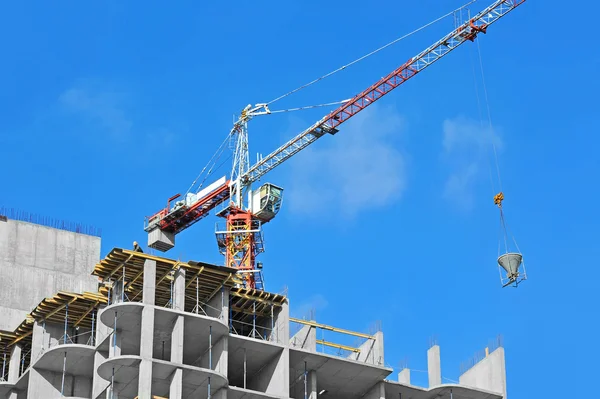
466	32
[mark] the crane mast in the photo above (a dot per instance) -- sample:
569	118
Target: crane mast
240	238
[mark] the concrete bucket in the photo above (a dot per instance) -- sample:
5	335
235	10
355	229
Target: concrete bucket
510	262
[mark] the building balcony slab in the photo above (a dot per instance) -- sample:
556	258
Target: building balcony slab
195	380
394	389
341	378
79	360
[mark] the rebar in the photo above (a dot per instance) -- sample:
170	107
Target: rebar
15	214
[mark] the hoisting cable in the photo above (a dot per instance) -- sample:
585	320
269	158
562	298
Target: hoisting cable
499	197
215	157
370	54
481	124
487	102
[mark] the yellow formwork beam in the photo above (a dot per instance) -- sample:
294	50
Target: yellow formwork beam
330	328
338	346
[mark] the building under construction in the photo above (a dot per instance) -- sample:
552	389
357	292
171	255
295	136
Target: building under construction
134	325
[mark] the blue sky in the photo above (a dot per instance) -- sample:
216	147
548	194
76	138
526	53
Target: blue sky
110	108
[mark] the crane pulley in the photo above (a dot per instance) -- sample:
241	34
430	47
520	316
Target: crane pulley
240	240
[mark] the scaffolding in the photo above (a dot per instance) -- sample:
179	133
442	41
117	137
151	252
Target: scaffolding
77	313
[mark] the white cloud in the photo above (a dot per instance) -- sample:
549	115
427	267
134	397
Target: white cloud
468	154
99	106
358	169
109	112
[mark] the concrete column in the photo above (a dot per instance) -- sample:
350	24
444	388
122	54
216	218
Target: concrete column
281	326
37	341
14	364
488	374
177	340
371	351
99	384
218	305
434	367
175	390
311	385
146	347
404	377
148	295
306	338
102	331
220	355
179	290
147	331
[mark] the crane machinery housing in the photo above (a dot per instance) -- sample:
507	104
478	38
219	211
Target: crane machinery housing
245	210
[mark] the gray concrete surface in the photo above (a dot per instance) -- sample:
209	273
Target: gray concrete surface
38	261
488	374
404	377
434	366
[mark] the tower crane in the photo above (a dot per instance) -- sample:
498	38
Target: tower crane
245	210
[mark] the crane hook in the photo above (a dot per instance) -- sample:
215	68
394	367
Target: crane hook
498	198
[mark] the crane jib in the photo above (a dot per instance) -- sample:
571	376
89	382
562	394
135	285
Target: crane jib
466	32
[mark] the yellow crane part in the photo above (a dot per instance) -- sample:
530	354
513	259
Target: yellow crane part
498	198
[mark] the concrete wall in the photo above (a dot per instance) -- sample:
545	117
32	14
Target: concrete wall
488	374
37	262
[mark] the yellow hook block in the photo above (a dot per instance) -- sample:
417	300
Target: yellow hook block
498	198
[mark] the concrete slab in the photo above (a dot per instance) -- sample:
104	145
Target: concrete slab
241	393
126	311
393	390
126	368
79	360
194	380
342	378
